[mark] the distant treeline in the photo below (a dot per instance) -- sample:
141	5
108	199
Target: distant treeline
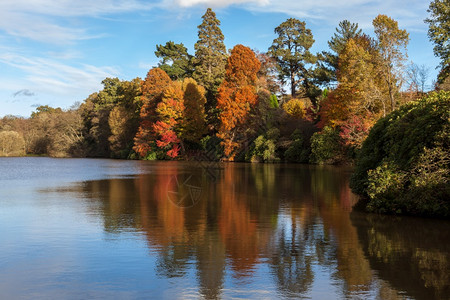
232	105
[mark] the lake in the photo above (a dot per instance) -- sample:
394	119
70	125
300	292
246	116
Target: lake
112	229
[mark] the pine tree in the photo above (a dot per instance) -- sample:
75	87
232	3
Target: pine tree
210	55
291	51
328	61
175	60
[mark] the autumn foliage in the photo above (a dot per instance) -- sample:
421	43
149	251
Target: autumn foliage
152	88
172	111
237	95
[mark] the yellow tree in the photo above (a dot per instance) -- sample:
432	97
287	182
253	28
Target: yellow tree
194	113
360	98
391	44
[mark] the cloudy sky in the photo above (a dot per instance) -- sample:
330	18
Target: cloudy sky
57	52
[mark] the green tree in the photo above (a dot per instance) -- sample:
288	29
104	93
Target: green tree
291	52
392	43
100	140
328	61
210	54
175	60
124	118
439	34
404	164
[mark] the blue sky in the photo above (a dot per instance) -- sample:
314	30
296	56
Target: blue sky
57	52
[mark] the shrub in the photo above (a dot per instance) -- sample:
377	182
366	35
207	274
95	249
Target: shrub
263	148
295	108
326	146
299	150
403	165
273	101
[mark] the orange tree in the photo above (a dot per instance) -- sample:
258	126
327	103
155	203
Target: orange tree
170	118
152	91
236	96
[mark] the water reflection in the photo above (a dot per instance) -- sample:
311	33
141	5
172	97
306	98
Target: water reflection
283	227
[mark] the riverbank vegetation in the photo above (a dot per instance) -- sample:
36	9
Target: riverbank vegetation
360	99
404	164
286	104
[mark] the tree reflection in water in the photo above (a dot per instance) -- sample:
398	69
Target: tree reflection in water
296	220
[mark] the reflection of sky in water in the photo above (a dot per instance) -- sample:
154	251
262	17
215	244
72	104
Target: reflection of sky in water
68	232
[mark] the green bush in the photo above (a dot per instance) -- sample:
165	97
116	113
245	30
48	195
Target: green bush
212	148
299	150
263	148
403	165
326	146
273	101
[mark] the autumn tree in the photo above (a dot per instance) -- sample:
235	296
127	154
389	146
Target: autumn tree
57	132
359	77
391	44
169	125
210	55
360	98
328	61
236	96
11	143
194	112
152	91
267	74
175	60
291	52
123	119
439	34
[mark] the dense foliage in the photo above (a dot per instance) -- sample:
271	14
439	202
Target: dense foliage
231	105
404	164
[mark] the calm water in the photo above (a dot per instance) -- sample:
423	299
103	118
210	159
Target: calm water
105	229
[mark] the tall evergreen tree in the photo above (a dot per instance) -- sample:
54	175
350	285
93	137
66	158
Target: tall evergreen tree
328	61
291	51
210	55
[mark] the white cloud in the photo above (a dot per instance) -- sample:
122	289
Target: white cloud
47	20
409	13
39	29
51	76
